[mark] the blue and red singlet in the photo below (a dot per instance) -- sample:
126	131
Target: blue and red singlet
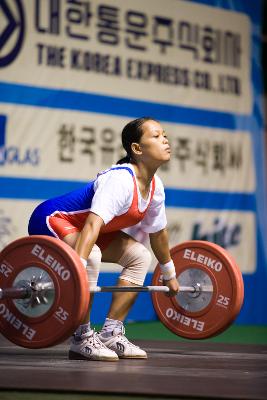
66	214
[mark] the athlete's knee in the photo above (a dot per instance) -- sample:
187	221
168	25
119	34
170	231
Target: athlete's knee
93	265
135	262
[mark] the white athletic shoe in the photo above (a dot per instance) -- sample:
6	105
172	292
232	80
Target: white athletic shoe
90	347
119	343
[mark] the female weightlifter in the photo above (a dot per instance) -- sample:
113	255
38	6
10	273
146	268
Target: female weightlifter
92	219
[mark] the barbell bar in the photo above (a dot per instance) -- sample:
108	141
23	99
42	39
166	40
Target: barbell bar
149	288
24	293
45	292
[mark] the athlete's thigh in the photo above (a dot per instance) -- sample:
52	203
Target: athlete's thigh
71	239
117	247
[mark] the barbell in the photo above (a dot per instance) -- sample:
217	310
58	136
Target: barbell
44	291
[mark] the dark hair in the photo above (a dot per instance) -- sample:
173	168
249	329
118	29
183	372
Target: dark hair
132	133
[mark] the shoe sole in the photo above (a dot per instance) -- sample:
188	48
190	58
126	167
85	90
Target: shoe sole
134	357
78	356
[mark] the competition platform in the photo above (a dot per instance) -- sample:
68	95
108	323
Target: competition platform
181	370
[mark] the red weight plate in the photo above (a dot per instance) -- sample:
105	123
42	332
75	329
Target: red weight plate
60	264
220	307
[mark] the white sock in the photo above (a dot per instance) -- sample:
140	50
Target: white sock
111	327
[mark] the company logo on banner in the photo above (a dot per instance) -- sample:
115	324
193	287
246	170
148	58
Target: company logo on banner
232	230
179	54
12	30
15	155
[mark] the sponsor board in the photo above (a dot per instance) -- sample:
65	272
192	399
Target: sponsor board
200	54
74	145
232	230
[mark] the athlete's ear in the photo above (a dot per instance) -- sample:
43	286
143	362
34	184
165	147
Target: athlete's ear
136	148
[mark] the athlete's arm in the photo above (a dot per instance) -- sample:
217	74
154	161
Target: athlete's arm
160	246
89	234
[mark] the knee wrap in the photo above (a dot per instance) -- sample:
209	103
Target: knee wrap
135	262
93	265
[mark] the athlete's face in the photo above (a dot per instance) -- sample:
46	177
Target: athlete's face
154	144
